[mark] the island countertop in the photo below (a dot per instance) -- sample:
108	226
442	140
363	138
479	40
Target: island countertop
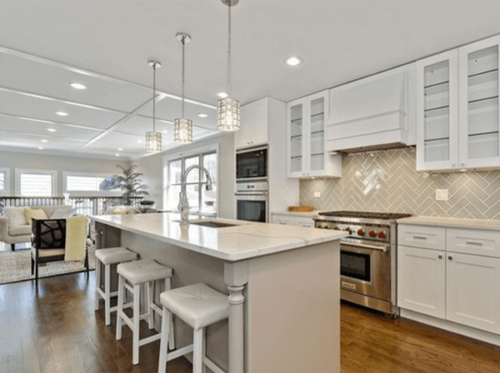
242	241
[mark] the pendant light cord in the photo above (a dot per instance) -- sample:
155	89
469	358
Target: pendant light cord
154	96
229	52
183	65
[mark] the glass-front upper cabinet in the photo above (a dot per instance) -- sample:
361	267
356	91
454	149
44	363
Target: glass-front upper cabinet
457	108
306	138
437	112
296	139
479	104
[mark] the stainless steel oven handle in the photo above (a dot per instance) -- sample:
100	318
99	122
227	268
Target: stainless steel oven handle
251	194
365	246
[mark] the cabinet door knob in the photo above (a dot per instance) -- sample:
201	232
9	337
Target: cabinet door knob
440	257
453	165
450	258
463	164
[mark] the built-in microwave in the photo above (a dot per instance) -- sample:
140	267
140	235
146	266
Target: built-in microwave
251	163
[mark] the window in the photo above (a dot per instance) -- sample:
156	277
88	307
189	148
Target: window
200	199
4	181
82	183
36	183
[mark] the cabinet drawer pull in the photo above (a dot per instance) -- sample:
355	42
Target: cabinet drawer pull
306	225
450	258
282	223
474	243
440	257
420	237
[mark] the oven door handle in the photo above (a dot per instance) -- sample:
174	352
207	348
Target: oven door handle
365	246
251	194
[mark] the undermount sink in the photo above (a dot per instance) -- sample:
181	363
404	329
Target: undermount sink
212	224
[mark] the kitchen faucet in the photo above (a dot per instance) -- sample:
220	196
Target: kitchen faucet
183	200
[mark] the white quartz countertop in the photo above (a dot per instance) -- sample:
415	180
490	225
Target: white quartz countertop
243	241
452	222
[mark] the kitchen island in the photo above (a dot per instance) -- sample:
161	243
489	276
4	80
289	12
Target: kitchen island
282	284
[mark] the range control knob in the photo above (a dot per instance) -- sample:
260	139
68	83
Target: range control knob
348	230
361	232
335	228
381	235
372	233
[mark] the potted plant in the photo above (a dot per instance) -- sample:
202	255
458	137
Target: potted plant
131	184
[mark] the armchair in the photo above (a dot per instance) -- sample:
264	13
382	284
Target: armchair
48	243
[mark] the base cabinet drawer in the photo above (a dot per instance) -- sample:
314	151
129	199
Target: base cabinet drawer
473	241
300	221
422	236
422	281
473	291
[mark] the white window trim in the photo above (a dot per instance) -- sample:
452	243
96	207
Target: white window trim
190	153
6	172
77	193
20	171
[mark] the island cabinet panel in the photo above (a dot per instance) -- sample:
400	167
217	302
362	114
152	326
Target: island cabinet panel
422	280
301	278
472	291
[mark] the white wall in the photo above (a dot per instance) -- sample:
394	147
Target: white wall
59	163
152	168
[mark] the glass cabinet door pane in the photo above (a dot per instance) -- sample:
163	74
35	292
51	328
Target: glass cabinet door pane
482	101
296	134
437	112
317	134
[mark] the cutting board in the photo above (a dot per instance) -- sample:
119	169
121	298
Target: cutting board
300	208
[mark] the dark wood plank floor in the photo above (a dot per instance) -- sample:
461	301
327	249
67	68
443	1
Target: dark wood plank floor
54	328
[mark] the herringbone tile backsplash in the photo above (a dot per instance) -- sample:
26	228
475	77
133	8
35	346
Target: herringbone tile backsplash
386	181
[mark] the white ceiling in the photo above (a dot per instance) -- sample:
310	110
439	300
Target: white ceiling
45	45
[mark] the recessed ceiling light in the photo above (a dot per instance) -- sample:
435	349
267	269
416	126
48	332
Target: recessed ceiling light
78	86
40	148
117	155
164	131
120	149
51	129
293	60
139	141
61	113
202	115
222	94
44	140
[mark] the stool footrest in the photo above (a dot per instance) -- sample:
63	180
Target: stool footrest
150	339
209	363
157	309
179	352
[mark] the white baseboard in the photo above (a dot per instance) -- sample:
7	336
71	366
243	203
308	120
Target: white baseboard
452	327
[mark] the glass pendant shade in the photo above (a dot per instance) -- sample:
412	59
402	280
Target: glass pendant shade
183	130
153	142
228	114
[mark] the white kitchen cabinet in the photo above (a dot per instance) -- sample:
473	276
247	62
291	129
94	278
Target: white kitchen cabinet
472	291
457	108
306	152
458	281
254	124
422	280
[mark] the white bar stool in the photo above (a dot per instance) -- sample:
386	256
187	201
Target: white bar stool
107	257
137	273
199	306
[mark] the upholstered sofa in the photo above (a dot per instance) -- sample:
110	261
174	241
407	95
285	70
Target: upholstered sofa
14	225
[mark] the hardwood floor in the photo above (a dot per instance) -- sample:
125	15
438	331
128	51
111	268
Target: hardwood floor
54	328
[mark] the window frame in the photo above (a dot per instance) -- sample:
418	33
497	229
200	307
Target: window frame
110	193
20	171
199	152
6	172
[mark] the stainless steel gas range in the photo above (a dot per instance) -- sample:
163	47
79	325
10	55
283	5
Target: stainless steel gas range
367	256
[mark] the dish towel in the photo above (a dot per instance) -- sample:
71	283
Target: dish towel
76	238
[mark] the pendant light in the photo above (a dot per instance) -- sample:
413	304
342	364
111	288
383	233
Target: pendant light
228	110
153	139
183	128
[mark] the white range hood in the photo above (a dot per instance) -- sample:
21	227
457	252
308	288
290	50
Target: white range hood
373	113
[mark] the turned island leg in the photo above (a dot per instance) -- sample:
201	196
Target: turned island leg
235	277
